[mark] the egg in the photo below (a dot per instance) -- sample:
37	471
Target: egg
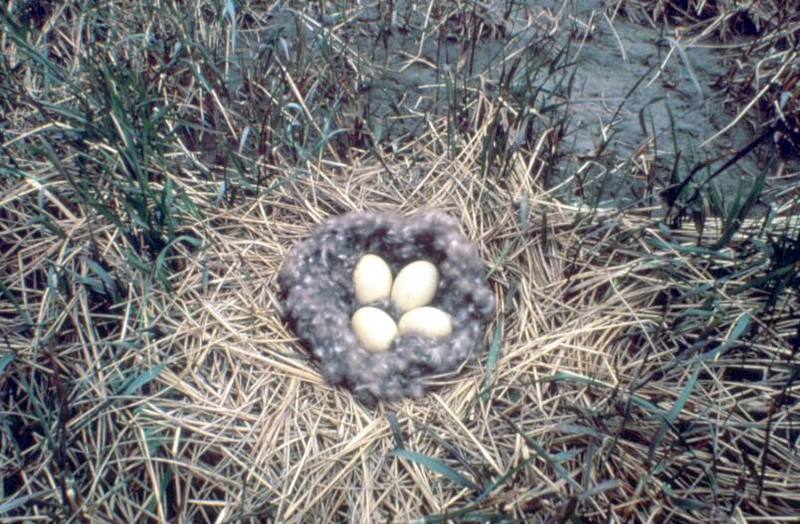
426	321
415	285
374	329
372	279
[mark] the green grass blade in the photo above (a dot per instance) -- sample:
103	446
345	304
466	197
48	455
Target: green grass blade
601	487
109	283
503	479
397	431
739	329
12	504
672	415
5	360
740	211
137	382
491	363
20	310
436	466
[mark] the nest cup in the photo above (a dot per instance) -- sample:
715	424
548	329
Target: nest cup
316	282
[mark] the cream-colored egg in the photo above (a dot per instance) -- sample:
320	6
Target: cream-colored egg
415	285
374	329
372	279
426	321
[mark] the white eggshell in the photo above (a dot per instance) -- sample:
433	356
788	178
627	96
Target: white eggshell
426	321
372	279
415	285
374	329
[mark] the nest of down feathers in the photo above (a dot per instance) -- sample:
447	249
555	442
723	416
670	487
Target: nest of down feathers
319	300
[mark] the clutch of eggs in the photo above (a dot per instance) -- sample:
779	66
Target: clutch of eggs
411	292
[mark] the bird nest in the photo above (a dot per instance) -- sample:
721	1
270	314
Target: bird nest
319	299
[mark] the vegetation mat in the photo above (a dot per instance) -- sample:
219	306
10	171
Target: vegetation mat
642	366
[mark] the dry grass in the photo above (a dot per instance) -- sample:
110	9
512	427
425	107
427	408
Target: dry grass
620	389
634	372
